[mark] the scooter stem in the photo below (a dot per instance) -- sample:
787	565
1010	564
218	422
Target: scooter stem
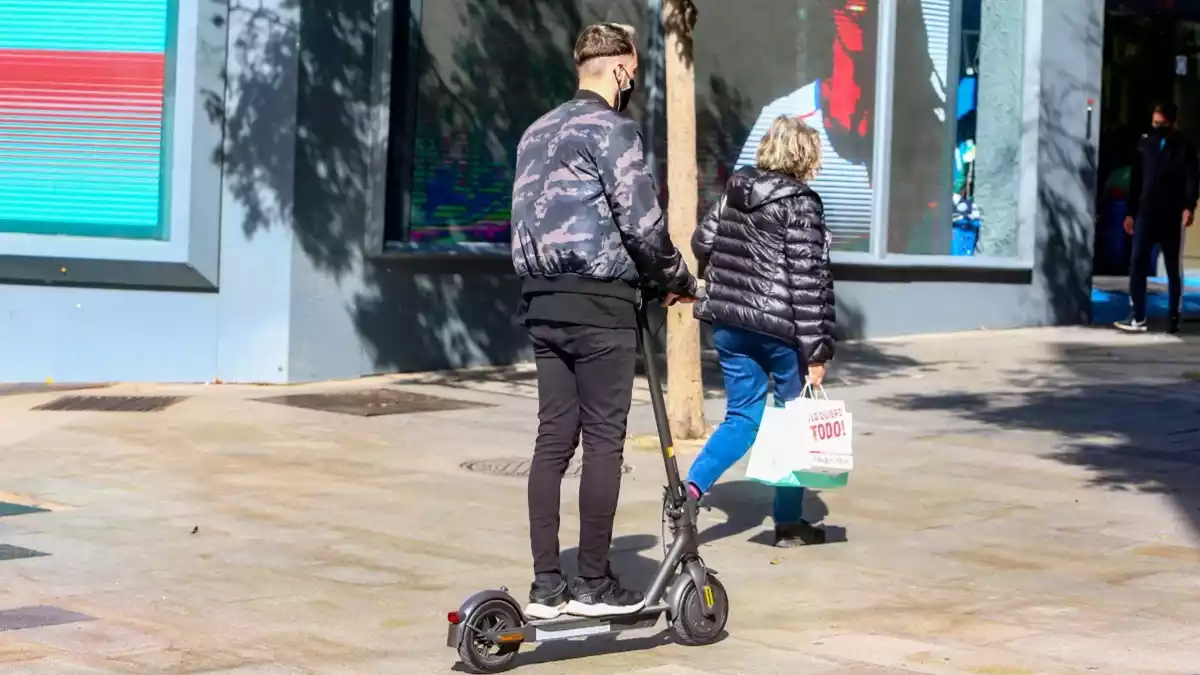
658	403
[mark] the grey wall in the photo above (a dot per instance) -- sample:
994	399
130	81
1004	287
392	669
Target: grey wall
1066	152
871	309
97	335
239	333
256	215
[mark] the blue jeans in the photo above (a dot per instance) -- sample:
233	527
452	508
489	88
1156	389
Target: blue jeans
747	358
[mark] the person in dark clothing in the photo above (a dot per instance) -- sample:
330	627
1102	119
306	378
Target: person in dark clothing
764	254
587	230
1162	195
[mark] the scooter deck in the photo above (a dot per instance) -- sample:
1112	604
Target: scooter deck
567	626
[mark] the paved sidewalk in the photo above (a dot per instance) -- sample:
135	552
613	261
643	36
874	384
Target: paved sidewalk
1028	502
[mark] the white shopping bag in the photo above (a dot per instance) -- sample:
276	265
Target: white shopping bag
803	441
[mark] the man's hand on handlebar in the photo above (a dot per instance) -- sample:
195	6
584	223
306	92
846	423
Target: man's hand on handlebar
673	298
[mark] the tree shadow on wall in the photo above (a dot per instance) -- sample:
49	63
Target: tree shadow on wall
511	64
311	176
1067	175
317	55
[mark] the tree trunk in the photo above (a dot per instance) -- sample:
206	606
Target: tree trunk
685	392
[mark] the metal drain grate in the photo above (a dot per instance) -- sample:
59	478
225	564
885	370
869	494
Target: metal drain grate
516	467
10	552
373	402
110	403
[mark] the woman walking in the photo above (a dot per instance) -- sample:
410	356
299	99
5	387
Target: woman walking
763	252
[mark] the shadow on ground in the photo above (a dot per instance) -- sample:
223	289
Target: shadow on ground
1129	414
747	506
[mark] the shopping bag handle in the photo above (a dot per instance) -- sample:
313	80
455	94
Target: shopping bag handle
811	391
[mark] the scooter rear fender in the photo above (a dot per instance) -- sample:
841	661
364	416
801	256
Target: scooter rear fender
467	609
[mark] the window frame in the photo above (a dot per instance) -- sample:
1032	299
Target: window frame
188	257
884	98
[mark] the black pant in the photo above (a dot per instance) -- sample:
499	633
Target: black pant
1167	233
585	385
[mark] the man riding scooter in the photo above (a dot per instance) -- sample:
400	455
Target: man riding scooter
586	229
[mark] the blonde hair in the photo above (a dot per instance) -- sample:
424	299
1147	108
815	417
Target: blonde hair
790	147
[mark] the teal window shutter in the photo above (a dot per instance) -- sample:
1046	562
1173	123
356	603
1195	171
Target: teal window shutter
81	117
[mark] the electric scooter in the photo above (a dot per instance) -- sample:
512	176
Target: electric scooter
490	627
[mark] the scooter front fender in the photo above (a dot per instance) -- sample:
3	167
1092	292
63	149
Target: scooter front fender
682	582
467	609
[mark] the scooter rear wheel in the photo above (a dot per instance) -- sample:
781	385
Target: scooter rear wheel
487	656
690	625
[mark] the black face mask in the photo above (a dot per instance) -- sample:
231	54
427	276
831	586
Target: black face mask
624	93
1159	129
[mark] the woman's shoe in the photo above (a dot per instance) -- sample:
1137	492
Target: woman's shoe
802	533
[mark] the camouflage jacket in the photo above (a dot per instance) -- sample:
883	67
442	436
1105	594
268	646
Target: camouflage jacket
585	204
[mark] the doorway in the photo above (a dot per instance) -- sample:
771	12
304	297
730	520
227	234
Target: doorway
1151	53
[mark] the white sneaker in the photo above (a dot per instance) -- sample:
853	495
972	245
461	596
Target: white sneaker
547	598
1131	325
543	612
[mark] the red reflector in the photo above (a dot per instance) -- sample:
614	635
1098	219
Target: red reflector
452	617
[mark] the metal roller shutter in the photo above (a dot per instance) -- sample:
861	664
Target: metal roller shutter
81	116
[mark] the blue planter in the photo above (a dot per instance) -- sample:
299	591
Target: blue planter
964	238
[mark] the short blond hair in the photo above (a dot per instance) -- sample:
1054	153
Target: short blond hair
790	147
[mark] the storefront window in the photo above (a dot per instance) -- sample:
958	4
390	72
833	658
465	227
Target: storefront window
81	117
813	59
477	72
934	203
484	71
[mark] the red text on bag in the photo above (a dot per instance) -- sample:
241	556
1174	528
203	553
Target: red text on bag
825	431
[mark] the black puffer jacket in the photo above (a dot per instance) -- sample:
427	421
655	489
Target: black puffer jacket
764	254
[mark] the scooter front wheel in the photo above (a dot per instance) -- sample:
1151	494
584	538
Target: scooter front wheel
690	624
476	650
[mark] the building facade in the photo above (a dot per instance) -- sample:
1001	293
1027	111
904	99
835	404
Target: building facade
284	191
